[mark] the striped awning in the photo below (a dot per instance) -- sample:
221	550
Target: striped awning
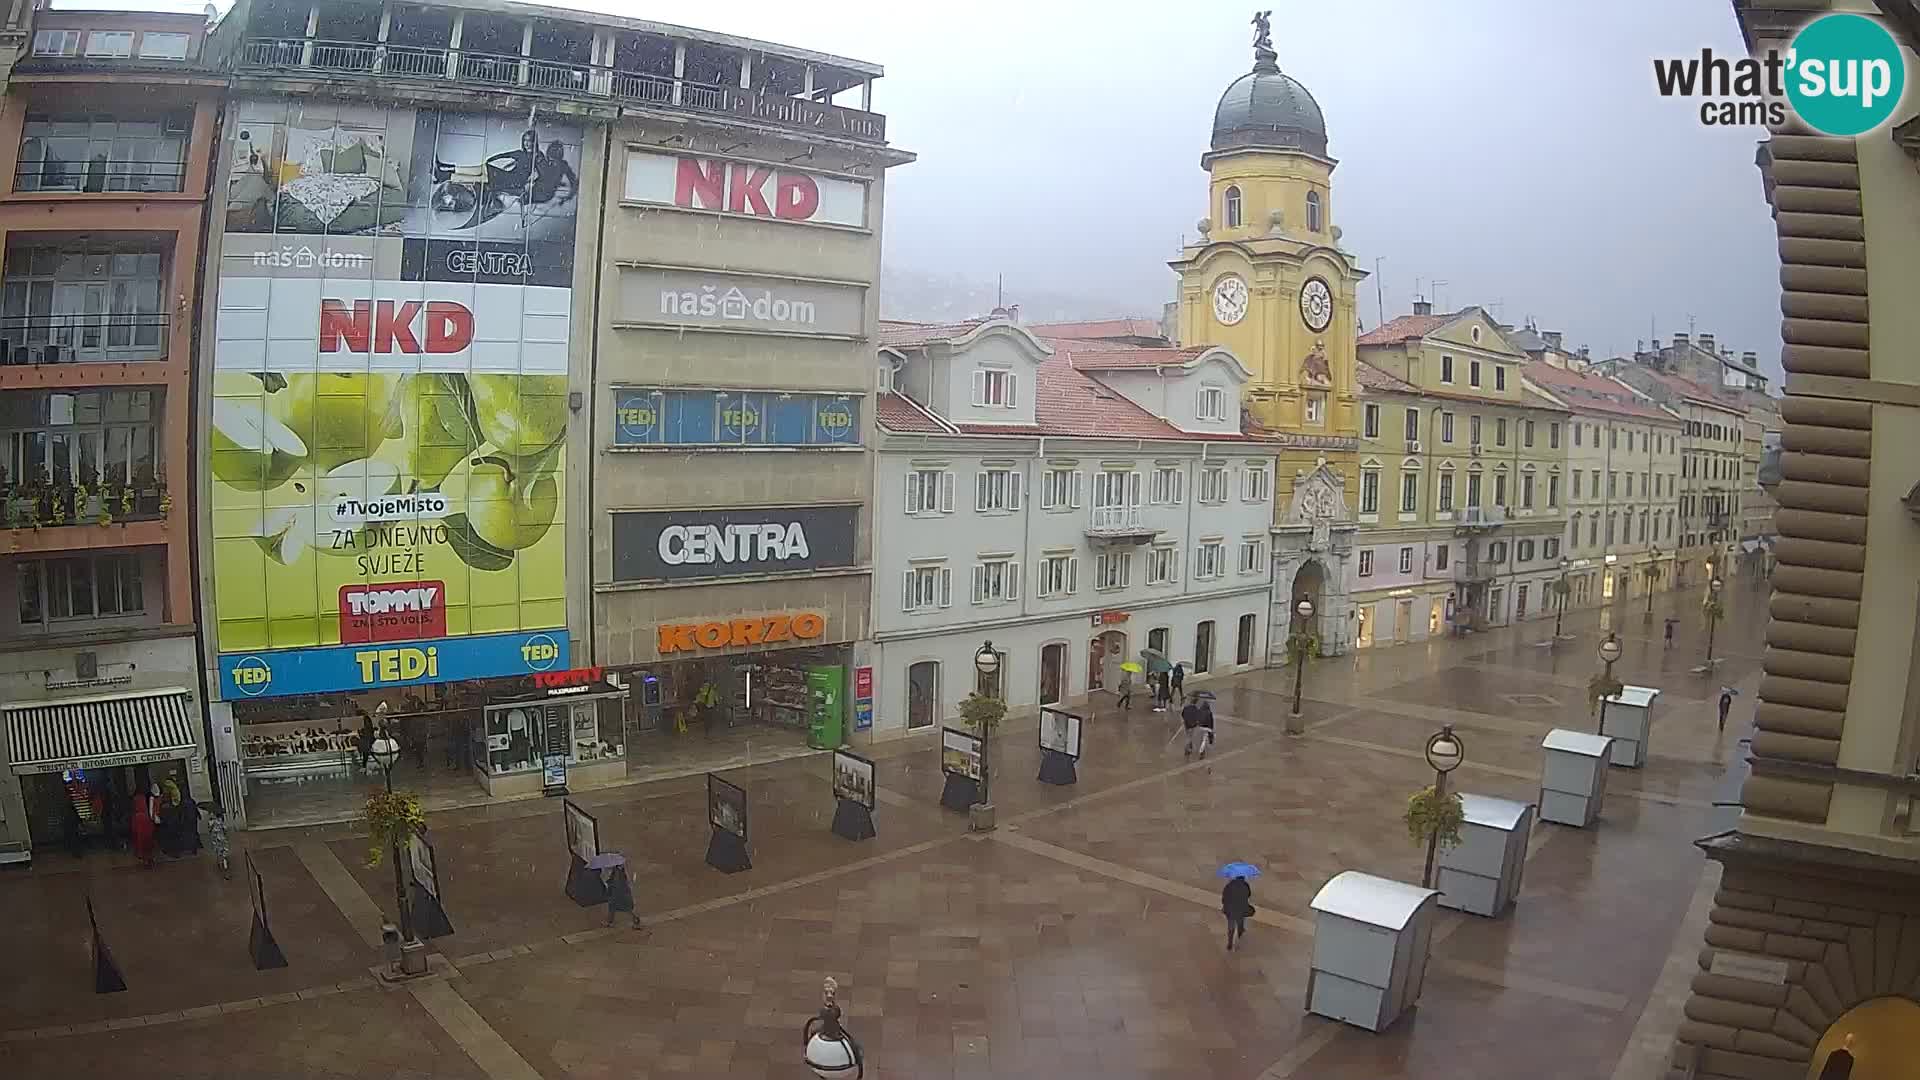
100	732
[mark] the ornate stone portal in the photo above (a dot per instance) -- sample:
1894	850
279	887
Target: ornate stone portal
1311	546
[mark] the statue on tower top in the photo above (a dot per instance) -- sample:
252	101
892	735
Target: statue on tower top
1263	30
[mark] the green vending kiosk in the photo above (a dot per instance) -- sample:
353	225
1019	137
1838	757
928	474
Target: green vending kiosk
826	718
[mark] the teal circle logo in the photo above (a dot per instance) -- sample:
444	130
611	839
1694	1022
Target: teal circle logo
252	676
1845	74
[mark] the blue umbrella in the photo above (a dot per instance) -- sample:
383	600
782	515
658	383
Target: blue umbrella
1239	869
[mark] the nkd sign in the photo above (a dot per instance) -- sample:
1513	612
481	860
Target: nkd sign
659	296
666	545
745	188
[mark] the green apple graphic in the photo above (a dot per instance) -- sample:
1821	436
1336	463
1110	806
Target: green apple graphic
250	449
504	512
289	531
440	426
342	416
520	414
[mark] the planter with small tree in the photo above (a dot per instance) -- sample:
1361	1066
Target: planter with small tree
982	715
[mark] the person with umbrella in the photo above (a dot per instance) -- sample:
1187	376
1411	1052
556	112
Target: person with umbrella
1236	899
613	867
1727	694
1126	684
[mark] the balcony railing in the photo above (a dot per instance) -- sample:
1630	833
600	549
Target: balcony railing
108	176
588	80
1115	519
1470	570
83	339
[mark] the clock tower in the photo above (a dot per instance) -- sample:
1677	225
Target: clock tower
1269	280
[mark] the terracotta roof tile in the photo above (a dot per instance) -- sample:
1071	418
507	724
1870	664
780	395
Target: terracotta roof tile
1686	387
1106	359
1404	328
1375	379
1101	328
901	334
896	413
1586	392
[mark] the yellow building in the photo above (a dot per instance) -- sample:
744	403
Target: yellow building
1269	280
1473	461
1814	915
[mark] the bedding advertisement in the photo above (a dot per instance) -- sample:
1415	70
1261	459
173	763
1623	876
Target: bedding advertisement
387	438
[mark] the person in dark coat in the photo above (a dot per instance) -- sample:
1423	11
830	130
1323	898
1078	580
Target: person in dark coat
1670	623
620	896
364	739
1178	680
1206	727
1726	703
186	825
1190	719
1126	690
1236	903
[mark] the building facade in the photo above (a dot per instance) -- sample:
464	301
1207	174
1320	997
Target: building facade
1072	502
466	305
106	131
1712	467
1480	460
1820	872
1623	486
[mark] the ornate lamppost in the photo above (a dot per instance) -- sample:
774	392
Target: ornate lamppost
1445	752
386	751
1713	619
1561	590
987	663
1300	645
831	1052
1603	686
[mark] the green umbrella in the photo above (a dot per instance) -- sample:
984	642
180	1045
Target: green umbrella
1156	660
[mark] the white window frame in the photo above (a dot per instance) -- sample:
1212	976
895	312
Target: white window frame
1366	562
152	39
990	495
1444	493
1446	427
929	491
1254	483
996	579
1060	488
1316	408
1253	555
1409	492
1210	559
110	44
1112	570
1058	575
928	586
1412	426
1168	486
57	42
1370	491
1163	564
1406	560
1370	417
1446	369
1213	484
996	388
1212	403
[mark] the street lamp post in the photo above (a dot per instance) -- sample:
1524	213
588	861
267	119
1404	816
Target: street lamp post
1297	645
1561	592
831	1052
1713	618
987	663
1651	575
386	750
1609	653
1444	753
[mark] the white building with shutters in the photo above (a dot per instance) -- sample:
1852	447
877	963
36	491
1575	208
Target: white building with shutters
1073	502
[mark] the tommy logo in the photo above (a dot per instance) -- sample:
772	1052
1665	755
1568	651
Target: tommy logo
396	611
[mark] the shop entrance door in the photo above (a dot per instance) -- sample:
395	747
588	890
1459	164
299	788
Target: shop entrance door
1105	653
1053	667
1363	637
1436	618
923	694
1403	622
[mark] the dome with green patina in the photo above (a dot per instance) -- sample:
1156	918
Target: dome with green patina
1269	109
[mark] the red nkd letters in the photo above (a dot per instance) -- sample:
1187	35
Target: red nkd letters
395	326
711	184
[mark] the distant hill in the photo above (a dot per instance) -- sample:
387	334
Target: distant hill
921	296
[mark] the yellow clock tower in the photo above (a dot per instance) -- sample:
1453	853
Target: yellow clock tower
1269	280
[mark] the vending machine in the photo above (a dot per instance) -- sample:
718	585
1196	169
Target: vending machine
826	701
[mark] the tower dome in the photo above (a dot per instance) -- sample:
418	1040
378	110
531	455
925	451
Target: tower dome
1267	108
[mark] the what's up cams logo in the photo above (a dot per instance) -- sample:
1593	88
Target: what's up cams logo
1841	75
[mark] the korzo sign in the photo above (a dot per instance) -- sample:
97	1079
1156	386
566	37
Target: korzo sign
678	544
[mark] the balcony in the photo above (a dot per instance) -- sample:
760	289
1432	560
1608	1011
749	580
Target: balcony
1481	517
573	78
83	339
1118	525
1472	571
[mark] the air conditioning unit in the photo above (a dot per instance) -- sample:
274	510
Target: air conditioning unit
1413	446
1474	449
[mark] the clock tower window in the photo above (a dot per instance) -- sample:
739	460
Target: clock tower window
1232	209
1313	211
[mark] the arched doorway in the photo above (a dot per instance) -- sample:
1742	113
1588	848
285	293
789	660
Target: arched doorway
1105	653
1875	1040
1309	584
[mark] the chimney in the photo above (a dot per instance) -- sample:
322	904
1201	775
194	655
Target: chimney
1585	352
1678	340
1750	359
1553	339
1706	342
1013	314
1422	307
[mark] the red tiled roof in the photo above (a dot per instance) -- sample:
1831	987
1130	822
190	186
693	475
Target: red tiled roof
1687	388
1405	328
900	333
1067	344
896	413
1375	379
1107	359
1101	328
1586	392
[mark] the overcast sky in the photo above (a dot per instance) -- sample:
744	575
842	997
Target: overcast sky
1515	149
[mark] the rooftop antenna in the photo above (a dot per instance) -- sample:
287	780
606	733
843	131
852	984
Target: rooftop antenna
1379	299
1000	290
1689	325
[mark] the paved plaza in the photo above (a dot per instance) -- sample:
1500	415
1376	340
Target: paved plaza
1080	939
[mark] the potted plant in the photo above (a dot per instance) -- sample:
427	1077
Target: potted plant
1430	816
165	501
983	714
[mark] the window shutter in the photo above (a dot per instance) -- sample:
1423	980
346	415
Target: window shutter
906	592
1013	581
1173	566
1073	574
979	582
979	387
946	586
913	493
1179	486
1076	489
1133	488
980	490
1013	389
1014	478
946	492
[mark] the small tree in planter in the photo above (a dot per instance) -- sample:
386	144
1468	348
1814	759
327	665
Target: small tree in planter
983	714
1435	819
391	818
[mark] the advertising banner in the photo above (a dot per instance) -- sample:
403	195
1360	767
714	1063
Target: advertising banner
709	300
644	418
389	413
670	545
747	188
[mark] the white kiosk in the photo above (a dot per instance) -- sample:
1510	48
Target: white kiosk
1482	873
1627	720
1573	777
1370	938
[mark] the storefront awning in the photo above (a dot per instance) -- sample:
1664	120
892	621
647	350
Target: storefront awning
100	732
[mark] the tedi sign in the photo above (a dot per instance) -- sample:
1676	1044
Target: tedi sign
675	544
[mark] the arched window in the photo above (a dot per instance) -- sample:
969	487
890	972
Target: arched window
1232	213
1313	211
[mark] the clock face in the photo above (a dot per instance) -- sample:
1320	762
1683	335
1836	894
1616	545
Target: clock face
1229	300
1316	304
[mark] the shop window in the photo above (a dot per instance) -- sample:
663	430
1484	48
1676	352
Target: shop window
1053	668
923	694
52	591
1243	649
93	153
1203	647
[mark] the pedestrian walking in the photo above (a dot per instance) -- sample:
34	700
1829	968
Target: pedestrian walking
217	841
1670	622
620	896
1126	690
142	828
1206	727
1236	903
1162	691
1179	680
1726	702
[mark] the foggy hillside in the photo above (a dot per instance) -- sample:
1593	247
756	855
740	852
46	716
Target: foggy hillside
922	296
